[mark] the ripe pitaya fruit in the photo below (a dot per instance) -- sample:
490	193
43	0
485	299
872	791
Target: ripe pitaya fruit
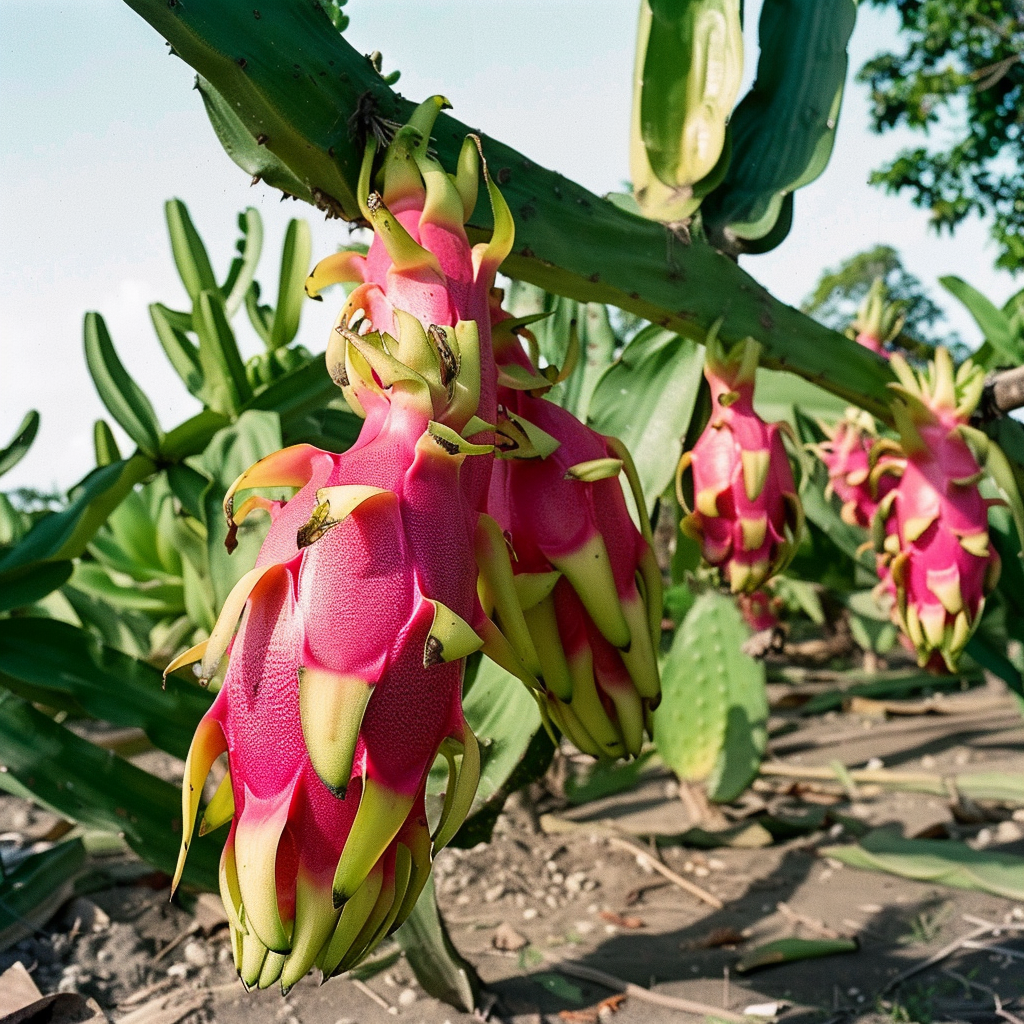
878	321
344	678
846	453
747	515
585	577
931	531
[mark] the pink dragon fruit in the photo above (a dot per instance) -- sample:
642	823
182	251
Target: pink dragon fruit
584	611
846	454
931	531
759	610
747	515
878	321
330	728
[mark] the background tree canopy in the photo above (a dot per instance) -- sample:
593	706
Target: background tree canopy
959	67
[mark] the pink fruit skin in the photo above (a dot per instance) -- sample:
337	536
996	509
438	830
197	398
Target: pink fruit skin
354	599
549	519
373	568
716	462
935	554
550	516
757	610
936	557
872	342
847	457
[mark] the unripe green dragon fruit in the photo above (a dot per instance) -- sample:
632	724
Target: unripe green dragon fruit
747	516
931	530
344	678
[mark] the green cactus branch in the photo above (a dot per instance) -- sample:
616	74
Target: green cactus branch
305	94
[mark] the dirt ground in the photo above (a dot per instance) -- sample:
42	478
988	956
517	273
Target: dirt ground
561	884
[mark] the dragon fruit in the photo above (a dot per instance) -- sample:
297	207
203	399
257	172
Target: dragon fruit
759	610
846	453
331	727
747	515
584	606
878	321
931	530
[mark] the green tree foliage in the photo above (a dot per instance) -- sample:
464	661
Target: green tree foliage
840	291
960	68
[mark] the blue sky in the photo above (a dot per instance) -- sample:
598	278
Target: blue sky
99	126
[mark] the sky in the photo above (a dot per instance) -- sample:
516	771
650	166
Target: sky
99	126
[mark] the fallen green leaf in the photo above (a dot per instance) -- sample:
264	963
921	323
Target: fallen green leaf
558	986
938	861
784	951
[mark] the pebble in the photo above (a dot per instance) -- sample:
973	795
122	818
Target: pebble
1009	832
197	954
575	882
71	977
177	971
494	893
406	997
529	914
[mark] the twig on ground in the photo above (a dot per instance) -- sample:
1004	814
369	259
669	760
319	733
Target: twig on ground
370	994
1013	926
811	923
1013	954
948	950
575	970
947	724
176	941
968	983
684	883
1005	1014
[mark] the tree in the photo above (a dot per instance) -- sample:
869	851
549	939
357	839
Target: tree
960	69
840	291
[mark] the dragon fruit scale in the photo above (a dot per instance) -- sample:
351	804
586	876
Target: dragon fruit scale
344	677
931	530
747	515
584	607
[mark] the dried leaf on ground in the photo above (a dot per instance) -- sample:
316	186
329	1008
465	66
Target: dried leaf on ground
21	1002
593	1014
622	922
714	939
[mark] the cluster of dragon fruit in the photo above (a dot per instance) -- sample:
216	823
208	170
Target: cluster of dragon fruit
471	515
474	514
